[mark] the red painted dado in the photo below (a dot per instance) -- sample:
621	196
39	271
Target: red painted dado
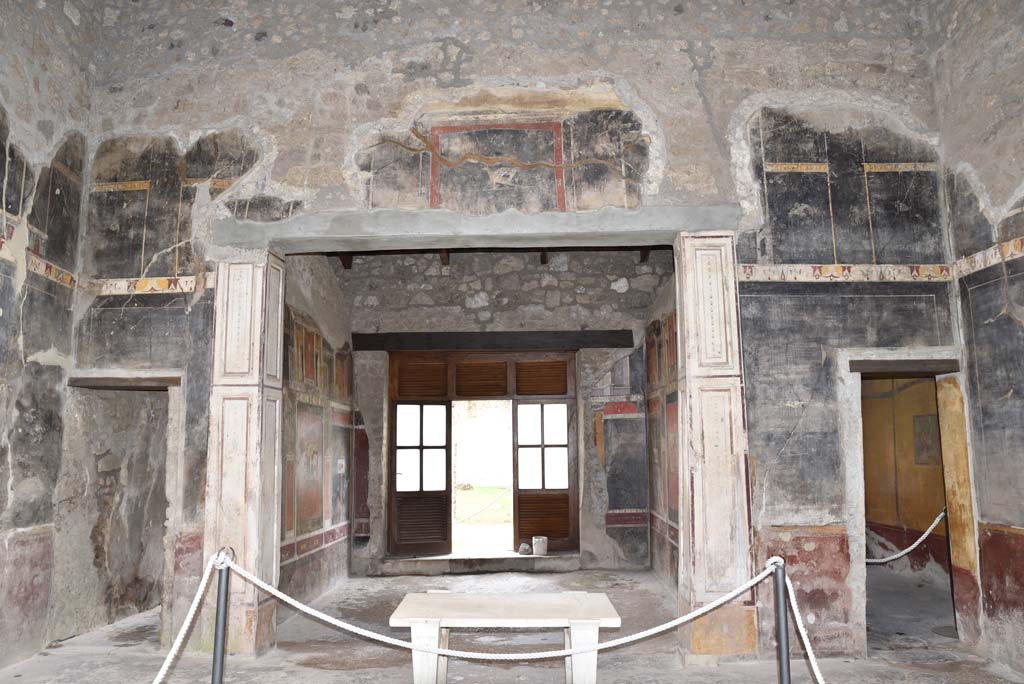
619	408
336	533
818	562
26	566
626	518
934	549
188	553
967	601
1002	570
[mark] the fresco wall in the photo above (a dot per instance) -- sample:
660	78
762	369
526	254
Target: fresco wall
318	431
38	245
852	251
615	498
663	375
480	165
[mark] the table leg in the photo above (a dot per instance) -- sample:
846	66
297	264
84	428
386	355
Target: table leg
425	665
583	633
568	659
442	661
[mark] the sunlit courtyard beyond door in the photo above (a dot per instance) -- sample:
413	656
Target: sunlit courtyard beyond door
482	478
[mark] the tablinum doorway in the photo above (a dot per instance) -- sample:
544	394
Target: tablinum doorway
540	389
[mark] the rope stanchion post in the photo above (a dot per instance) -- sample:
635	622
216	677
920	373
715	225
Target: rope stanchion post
221	627
782	623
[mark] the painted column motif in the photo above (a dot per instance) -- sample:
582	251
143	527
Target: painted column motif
715	548
243	466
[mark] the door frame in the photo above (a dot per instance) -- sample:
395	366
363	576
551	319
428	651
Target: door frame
393	398
931	361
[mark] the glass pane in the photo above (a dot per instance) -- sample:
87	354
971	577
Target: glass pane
529	469
435	470
435	425
529	424
408	432
556	423
556	468
407	467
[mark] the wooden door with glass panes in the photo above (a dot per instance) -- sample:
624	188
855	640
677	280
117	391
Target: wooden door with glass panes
544	471
542	388
420	481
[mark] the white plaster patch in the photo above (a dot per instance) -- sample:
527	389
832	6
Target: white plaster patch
621	285
72	13
477	301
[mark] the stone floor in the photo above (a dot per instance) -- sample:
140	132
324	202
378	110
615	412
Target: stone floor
904	647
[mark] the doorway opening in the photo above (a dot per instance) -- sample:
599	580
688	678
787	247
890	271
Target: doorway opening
909	600
482	478
509	416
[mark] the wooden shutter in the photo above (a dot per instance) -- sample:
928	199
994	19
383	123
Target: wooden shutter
542	378
422	520
481	379
545	514
422	379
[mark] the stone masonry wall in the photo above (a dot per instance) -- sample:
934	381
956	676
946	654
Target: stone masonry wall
514	291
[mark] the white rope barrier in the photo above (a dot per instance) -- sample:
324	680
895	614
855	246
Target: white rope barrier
904	552
475	655
221	560
190	618
802	631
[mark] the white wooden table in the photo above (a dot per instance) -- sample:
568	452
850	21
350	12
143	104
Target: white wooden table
431	616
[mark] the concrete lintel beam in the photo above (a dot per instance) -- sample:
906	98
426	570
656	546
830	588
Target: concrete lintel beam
119	378
353	231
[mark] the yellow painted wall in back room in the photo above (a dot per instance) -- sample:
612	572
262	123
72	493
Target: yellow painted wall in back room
903	480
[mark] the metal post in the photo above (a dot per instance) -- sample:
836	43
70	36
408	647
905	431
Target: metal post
220	632
782	623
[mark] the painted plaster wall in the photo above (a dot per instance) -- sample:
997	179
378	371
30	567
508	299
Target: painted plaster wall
614	511
146	302
38	236
843	186
662	372
991	302
317	429
791	332
321	81
514	291
979	59
111	507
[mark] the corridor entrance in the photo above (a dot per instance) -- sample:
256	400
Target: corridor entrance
909	599
482	456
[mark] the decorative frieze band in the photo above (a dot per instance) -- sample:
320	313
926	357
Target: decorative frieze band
851	273
51	272
1004	251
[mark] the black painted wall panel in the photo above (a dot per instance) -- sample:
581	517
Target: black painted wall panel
993	309
790	335
970	231
905	217
799	214
849	205
827	206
